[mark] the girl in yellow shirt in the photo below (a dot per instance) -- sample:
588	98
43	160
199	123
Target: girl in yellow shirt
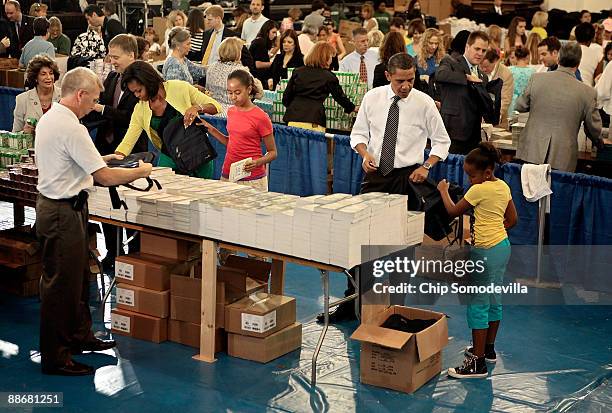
494	213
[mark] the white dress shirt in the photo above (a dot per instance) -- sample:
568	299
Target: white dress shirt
498	10
251	27
604	90
419	120
214	53
66	157
352	61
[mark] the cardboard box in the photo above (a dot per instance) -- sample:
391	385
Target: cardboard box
260	315
398	360
189	334
15	78
190	310
20	286
144	301
268	348
17	249
142	326
147	271
21	272
172	248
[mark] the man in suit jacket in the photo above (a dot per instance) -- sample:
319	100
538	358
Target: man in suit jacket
492	66
20	27
111	116
457	79
110	27
557	106
216	33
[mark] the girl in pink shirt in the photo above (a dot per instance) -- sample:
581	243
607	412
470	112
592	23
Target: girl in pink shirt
247	126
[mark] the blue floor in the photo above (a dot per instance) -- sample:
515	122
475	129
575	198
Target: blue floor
550	358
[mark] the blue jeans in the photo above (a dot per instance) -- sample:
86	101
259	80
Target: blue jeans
484	307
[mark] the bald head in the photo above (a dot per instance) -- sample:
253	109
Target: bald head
80	78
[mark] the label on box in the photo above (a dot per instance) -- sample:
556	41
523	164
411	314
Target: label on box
259	323
124	270
125	297
121	323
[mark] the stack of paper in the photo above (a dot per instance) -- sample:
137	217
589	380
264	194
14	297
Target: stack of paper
248	224
350	229
99	201
415	225
283	231
302	217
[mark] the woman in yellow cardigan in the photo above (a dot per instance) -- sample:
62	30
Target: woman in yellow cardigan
161	102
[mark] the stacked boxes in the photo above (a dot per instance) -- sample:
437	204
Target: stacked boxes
262	327
336	117
143	289
20	262
238	278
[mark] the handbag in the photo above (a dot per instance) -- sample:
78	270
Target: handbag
189	147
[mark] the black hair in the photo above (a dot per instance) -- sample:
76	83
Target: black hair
491	55
459	41
40	26
585	33
246	79
521	52
91	9
402	61
145	74
552	43
264	33
606	50
483	157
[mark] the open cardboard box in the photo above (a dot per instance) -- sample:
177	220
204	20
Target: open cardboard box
398	360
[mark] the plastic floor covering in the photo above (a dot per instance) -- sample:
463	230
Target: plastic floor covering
550	358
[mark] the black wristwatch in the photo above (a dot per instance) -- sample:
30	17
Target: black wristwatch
427	165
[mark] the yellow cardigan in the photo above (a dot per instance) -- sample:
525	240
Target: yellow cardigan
181	95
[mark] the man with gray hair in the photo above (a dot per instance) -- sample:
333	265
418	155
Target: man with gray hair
68	163
558	104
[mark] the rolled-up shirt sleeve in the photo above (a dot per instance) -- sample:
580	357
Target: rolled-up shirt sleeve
440	141
361	129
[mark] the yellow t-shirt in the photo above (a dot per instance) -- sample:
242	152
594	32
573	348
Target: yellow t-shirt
540	31
490	200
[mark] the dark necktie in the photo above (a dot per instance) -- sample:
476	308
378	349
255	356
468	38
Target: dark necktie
363	70
110	136
387	153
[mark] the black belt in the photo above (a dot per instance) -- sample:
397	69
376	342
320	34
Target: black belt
77	202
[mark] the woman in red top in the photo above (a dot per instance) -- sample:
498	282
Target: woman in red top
247	126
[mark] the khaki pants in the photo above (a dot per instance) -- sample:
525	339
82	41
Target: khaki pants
65	319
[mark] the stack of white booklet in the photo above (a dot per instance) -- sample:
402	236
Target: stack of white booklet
328	229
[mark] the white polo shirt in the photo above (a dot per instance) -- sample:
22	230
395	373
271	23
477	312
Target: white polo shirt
65	154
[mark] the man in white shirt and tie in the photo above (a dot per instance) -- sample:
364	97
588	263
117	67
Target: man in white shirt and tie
363	60
390	133
497	6
253	24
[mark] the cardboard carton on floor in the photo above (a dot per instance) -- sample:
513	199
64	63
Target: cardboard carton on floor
142	300
267	348
171	248
144	327
17	248
398	360
260	315
190	310
189	334
147	271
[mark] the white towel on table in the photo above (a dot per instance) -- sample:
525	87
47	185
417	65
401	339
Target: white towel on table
534	180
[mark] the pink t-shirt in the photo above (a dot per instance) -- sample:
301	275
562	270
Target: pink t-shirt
246	131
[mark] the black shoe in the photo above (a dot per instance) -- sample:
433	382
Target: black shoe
97	345
473	368
490	355
342	313
71	368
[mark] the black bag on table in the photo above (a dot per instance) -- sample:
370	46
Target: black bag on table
437	220
131	161
188	147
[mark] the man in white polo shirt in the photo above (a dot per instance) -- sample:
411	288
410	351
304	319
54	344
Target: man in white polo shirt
68	163
253	24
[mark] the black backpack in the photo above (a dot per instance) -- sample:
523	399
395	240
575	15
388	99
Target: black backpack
188	147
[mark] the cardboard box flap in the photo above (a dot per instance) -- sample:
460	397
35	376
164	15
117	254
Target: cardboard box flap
256	269
381	336
260	303
432	339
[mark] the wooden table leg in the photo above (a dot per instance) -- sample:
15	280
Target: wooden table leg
18	215
277	277
208	303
